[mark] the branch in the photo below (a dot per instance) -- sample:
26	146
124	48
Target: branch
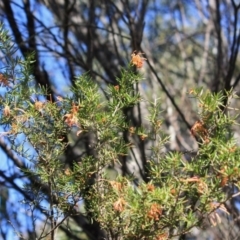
169	95
234	50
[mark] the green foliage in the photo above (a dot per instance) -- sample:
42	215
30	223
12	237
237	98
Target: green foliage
179	193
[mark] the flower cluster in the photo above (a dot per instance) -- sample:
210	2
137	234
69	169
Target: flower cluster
137	59
71	118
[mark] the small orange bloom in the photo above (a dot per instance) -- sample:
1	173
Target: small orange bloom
173	191
155	211
150	187
71	118
119	205
192	91
163	236
14	128
200	184
143	136
198	130
131	130
232	149
223	176
158	123
116	87
67	172
3	80
6	111
190	180
137	59
202	187
116	185
38	105
224	181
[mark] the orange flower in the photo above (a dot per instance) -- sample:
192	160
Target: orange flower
143	136
116	185
103	120
137	59
150	187
14	128
116	87
131	130
68	172
198	130
190	180
200	184
173	191
192	91
158	123
71	118
3	80
232	149
6	111
202	187
38	105
223	176
163	236
155	211
119	205
224	181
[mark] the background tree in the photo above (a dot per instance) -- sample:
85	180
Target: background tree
186	43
